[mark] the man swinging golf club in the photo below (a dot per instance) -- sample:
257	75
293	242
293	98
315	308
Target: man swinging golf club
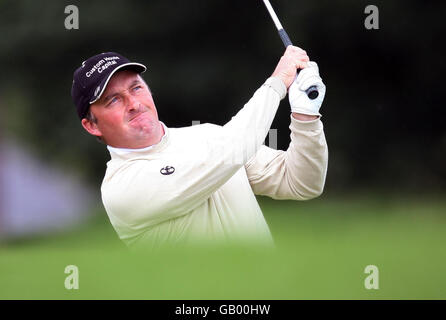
197	184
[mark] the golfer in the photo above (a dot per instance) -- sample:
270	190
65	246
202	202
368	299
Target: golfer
198	184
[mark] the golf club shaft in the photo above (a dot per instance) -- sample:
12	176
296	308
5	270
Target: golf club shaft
312	92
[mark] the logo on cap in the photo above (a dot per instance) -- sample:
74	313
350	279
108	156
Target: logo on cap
96	92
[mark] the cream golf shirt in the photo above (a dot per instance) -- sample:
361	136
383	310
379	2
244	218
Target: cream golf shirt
198	184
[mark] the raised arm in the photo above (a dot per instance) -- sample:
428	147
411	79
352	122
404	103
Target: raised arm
299	173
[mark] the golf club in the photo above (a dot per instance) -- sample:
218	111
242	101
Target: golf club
312	92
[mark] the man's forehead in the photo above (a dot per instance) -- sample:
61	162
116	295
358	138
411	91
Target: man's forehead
121	80
123	77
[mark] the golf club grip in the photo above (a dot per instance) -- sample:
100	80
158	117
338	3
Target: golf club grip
312	92
285	39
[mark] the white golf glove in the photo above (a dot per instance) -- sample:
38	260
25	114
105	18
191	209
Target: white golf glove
299	100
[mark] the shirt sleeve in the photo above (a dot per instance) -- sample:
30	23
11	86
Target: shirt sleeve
136	195
297	174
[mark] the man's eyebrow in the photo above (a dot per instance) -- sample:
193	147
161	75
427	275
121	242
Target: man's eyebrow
137	81
109	96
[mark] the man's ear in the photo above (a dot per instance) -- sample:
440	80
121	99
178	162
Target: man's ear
91	127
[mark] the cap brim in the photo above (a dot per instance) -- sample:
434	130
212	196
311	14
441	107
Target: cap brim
138	67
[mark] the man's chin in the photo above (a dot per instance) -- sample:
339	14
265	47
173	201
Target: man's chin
146	127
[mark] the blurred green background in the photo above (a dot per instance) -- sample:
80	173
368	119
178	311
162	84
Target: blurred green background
383	116
322	250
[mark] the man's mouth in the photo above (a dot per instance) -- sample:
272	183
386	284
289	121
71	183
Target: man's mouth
135	117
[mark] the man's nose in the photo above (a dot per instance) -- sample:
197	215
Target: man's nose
132	103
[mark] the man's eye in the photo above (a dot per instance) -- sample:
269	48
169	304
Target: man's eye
113	100
137	88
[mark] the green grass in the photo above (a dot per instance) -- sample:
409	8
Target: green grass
323	247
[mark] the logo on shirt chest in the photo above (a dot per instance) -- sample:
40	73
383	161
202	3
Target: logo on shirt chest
167	170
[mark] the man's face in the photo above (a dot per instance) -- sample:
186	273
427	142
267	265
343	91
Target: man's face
126	114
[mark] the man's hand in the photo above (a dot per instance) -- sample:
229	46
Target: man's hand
299	101
294	58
